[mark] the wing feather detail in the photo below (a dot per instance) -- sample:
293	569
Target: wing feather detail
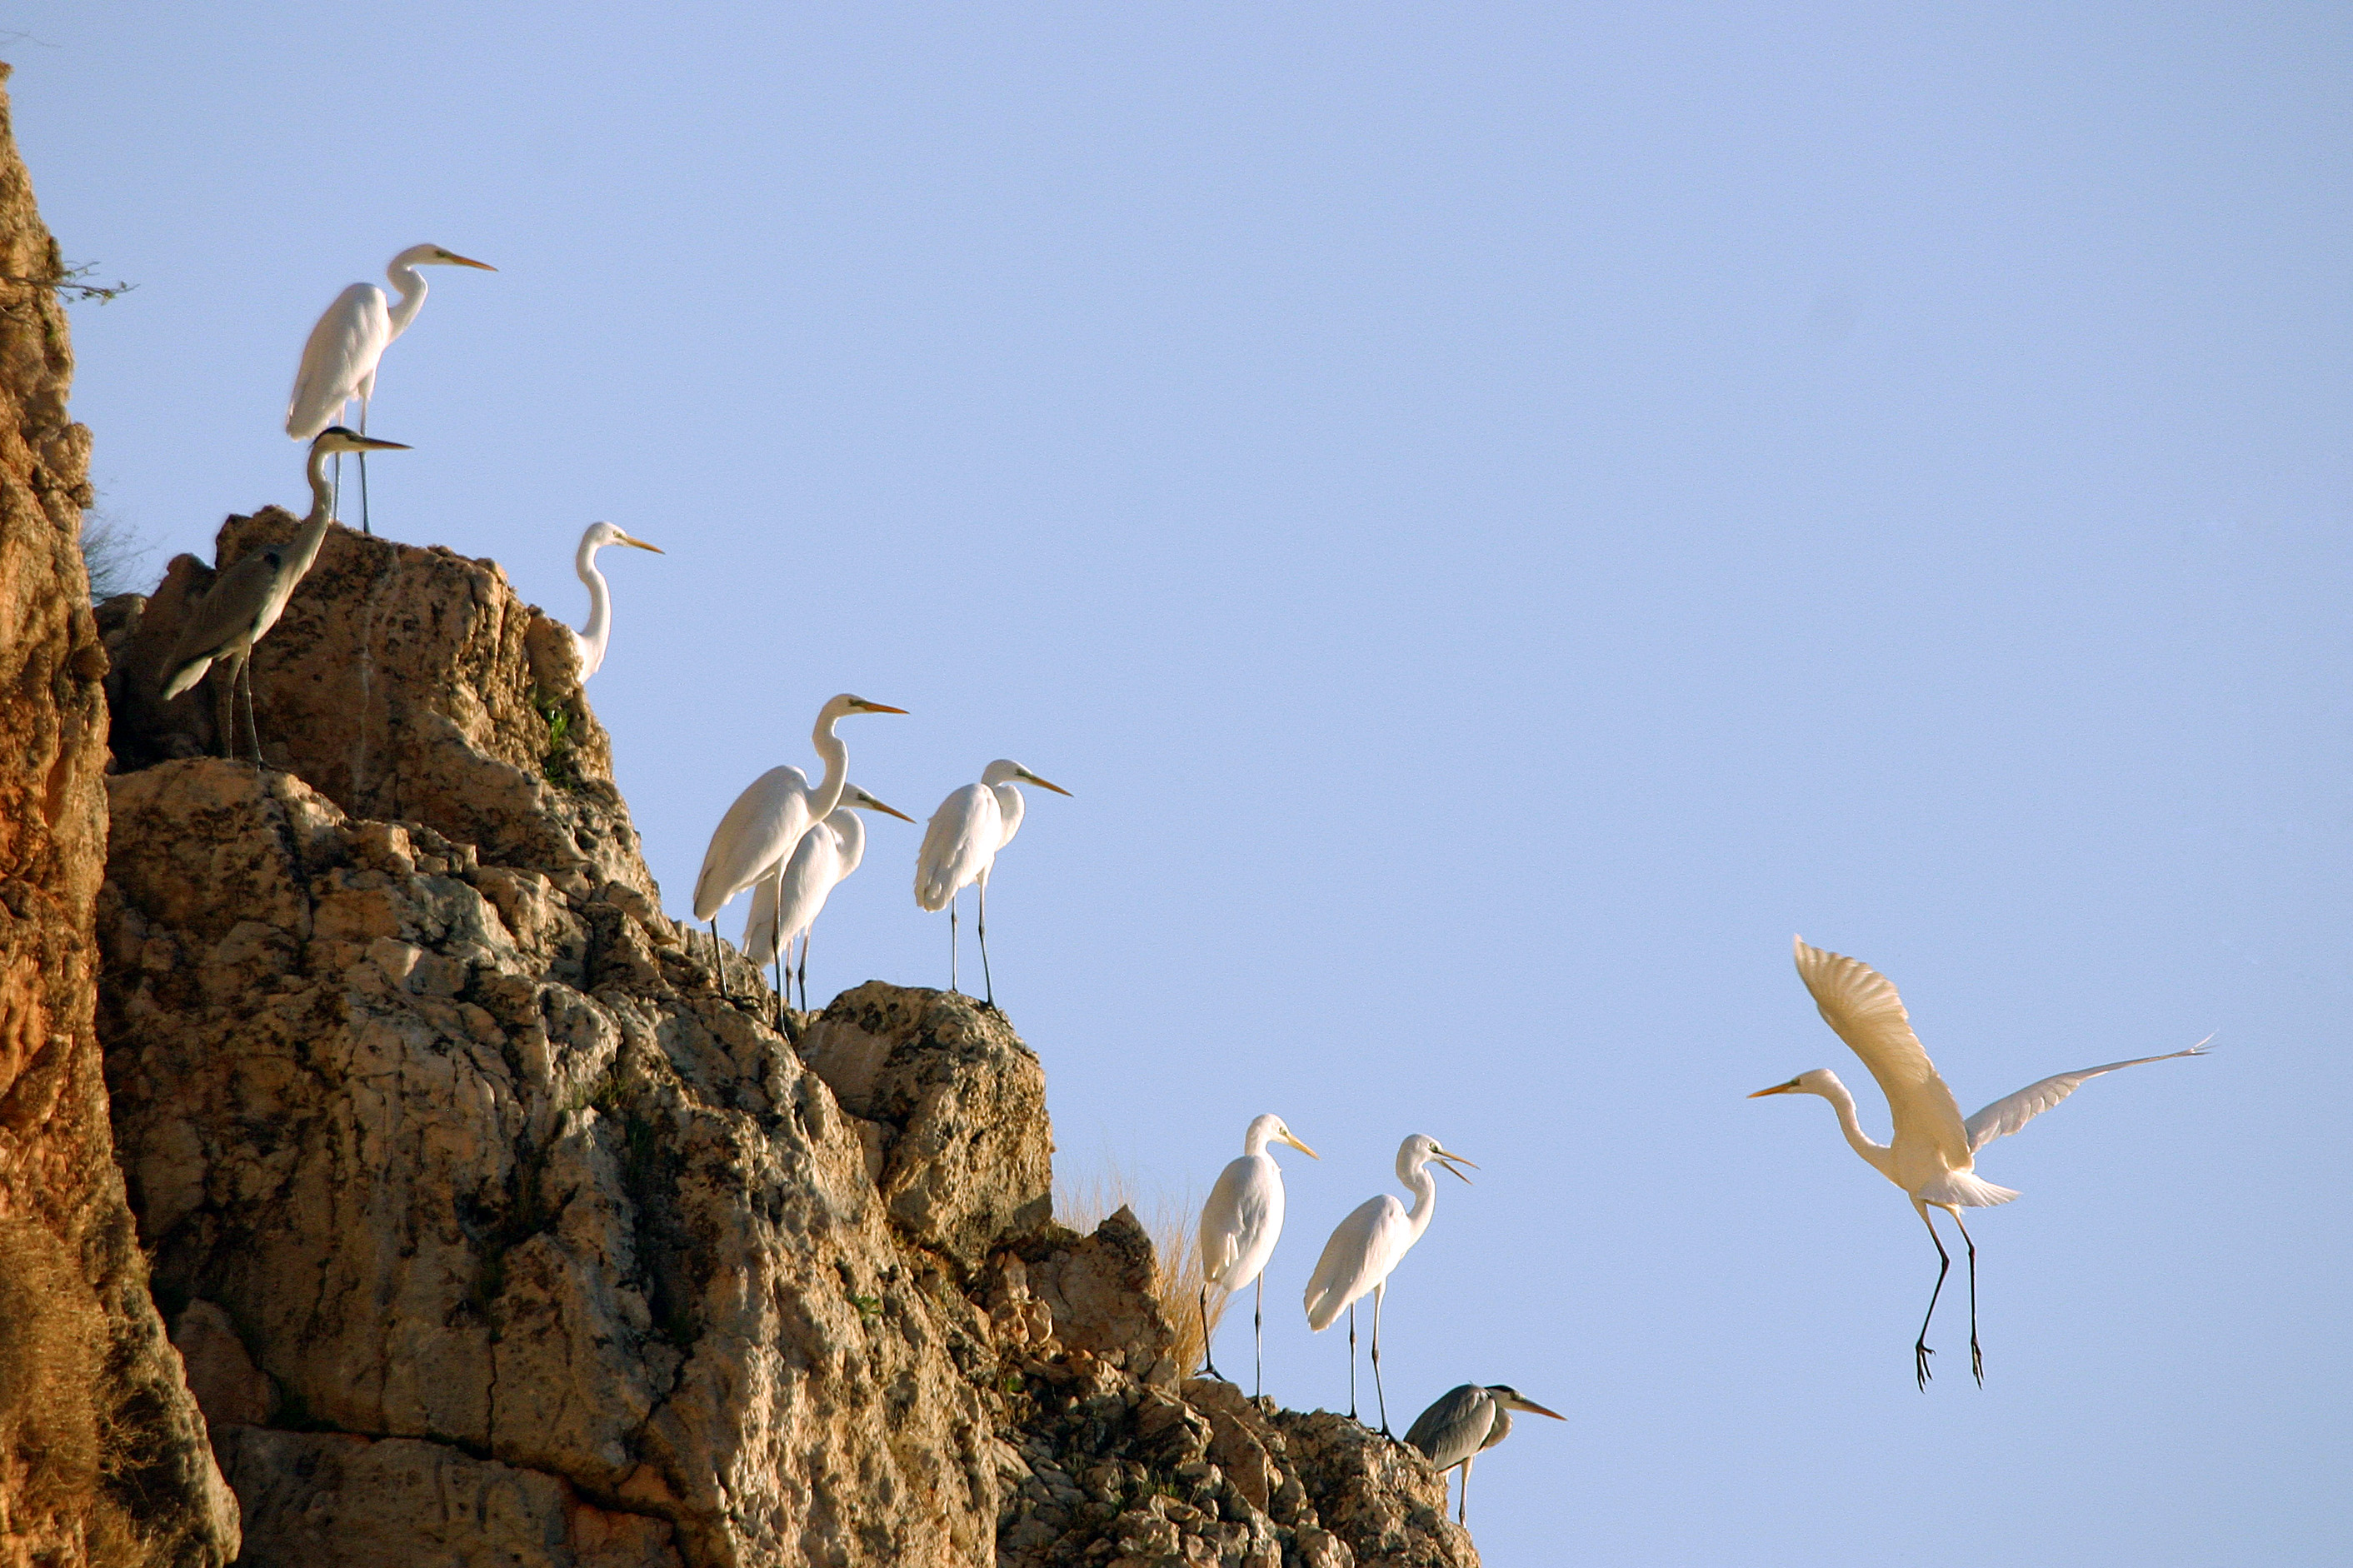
2013	1112
1862	1006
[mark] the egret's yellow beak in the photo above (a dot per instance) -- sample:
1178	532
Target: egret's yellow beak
1445	1162
643	545
1787	1088
866	707
1300	1147
1042	784
456	260
873	805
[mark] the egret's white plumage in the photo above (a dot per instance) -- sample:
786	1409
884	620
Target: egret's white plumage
1932	1152
1239	1225
590	640
785	900
1367	1244
961	843
339	360
769	818
1464	1422
245	600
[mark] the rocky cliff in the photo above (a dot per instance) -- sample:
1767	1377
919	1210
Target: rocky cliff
102	1457
488	1226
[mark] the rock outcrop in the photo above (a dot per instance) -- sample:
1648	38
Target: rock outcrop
103	1454
490	1226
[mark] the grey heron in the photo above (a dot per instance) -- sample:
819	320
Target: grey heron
1239	1225
1932	1152
339	360
1466	1421
961	844
1367	1244
245	600
769	818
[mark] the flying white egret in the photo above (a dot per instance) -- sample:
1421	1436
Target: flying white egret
1368	1244
339	361
245	600
786	898
591	638
1239	1225
961	843
769	818
1932	1153
1466	1421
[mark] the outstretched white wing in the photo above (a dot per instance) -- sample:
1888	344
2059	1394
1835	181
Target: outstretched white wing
2013	1112
1862	1004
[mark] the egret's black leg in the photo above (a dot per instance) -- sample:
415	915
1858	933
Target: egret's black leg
952	943
1352	1362
986	984
1920	1350
784	984
1258	1332
363	510
718	963
1378	1393
1977	1357
805	940
1209	1361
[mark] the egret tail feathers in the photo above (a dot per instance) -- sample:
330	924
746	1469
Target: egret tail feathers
1963	1190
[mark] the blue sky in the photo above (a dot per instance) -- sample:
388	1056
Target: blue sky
1501	514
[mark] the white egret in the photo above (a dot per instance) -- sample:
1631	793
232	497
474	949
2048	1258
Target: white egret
786	899
1463	1423
339	362
245	600
1368	1244
591	638
1239	1225
1932	1152
769	818
961	843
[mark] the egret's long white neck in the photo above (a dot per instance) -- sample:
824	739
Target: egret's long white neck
599	629
411	284
837	766
850	828
1255	1141
1010	805
1424	1188
305	548
1880	1157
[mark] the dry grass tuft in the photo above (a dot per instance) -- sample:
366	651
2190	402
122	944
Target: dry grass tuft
1173	1222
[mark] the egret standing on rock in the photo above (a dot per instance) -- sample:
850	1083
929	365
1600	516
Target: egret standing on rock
1239	1225
1932	1153
769	818
1465	1423
961	843
339	361
1366	1245
245	600
591	638
785	903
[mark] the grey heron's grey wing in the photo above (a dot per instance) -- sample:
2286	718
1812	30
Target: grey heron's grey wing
226	612
1455	1428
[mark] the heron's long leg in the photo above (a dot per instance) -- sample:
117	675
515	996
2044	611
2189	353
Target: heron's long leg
1462	1503
1258	1332
718	961
1378	1292
1920	1350
986	984
784	986
363	509
1352	1362
1977	1357
805	941
1209	1361
952	942
245	674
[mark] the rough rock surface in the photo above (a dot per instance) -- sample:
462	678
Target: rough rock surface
102	1454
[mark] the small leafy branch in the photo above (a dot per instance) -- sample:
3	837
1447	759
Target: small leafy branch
73	284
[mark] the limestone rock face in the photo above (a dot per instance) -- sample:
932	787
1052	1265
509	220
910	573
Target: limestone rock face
505	1203
403	684
103	1454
